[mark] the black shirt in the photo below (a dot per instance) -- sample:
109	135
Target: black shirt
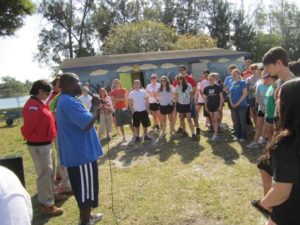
213	97
285	163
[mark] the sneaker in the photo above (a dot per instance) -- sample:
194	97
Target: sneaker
184	134
262	141
137	139
51	210
194	137
214	138
108	138
242	140
147	138
94	218
198	131
253	144
180	130
210	129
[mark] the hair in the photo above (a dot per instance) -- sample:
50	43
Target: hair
161	88
254	66
289	120
56	79
182	67
274	54
232	67
294	67
40	85
206	72
184	83
113	86
105	91
215	75
66	78
248	61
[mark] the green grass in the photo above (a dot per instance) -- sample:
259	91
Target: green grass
173	182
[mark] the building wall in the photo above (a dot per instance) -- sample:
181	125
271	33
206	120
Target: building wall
216	64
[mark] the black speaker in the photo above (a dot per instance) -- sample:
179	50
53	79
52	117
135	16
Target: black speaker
15	164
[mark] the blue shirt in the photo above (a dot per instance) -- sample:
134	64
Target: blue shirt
236	91
76	145
228	81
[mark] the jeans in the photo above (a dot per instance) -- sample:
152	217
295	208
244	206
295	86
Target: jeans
240	117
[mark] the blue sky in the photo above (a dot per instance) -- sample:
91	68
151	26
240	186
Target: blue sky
16	52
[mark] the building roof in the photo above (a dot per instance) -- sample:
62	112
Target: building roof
148	57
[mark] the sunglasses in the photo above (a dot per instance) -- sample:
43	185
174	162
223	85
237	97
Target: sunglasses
153	78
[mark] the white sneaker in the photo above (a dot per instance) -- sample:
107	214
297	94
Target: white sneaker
253	144
94	219
214	138
262	141
242	140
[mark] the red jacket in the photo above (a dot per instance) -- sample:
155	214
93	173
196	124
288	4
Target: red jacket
39	125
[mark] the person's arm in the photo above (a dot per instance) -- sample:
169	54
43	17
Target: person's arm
221	101
130	105
147	103
31	116
278	194
244	95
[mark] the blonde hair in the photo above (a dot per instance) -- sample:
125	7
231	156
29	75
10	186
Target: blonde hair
113	86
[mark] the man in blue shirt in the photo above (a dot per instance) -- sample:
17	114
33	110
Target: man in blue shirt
79	146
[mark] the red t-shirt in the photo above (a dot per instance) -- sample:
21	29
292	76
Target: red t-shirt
246	73
189	79
119	93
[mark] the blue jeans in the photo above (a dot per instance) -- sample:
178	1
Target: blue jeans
240	117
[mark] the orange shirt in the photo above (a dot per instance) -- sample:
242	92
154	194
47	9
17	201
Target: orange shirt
119	93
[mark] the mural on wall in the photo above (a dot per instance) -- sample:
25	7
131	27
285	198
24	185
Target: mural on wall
99	72
168	66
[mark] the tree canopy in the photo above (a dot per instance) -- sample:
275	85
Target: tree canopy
12	14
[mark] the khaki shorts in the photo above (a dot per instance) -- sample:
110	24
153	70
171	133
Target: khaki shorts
123	117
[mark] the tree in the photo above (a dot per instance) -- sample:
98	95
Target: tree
244	35
218	21
69	32
194	42
141	36
12	15
10	86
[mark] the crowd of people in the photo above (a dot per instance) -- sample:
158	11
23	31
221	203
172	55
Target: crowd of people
66	114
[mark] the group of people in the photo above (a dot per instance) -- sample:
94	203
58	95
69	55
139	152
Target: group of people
67	114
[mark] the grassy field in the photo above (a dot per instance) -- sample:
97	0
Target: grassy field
177	181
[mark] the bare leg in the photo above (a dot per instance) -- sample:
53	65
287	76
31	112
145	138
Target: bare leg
266	180
171	122
85	215
258	128
188	116
163	123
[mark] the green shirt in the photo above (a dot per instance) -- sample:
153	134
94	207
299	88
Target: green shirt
270	102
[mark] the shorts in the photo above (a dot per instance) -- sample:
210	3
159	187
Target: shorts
260	113
265	166
252	102
123	117
166	109
212	108
180	108
154	107
270	120
141	117
85	184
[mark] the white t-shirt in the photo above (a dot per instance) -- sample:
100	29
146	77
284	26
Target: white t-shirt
86	100
15	202
200	86
184	98
152	90
138	98
166	97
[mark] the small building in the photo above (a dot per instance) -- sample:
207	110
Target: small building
102	69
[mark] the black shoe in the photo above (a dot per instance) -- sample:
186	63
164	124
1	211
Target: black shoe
194	137
197	131
256	204
179	131
147	138
137	139
184	134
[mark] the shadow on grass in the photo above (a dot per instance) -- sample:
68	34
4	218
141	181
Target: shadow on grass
164	148
38	217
